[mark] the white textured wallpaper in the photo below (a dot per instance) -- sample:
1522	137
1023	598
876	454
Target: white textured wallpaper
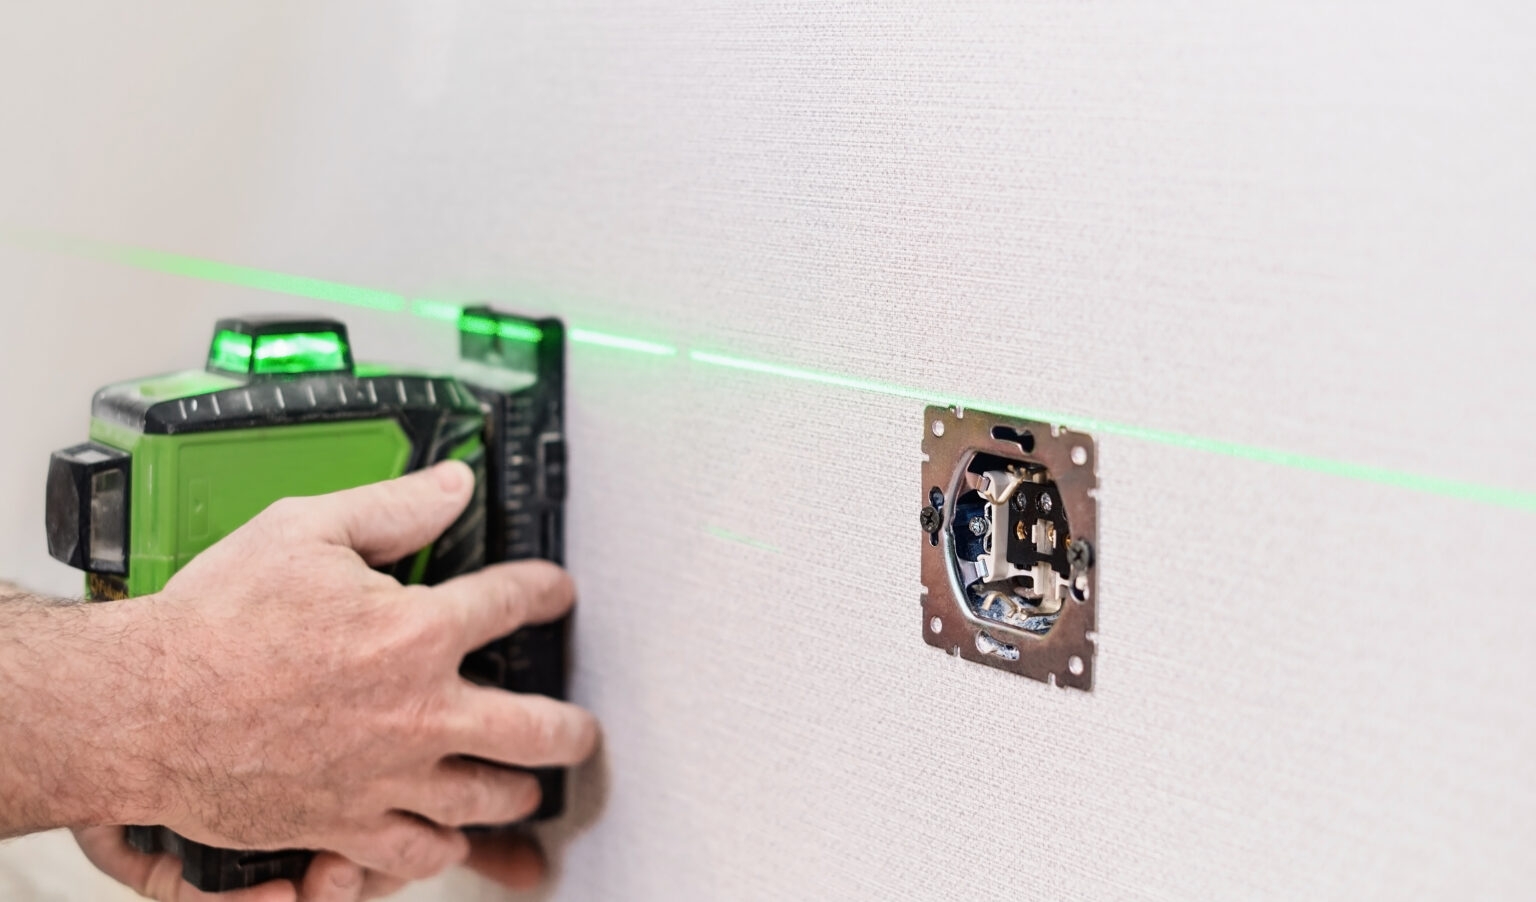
1305	226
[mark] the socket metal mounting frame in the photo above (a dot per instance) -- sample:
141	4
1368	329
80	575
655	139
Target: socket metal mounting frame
952	440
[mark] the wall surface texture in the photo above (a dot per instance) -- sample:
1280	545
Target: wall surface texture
1292	224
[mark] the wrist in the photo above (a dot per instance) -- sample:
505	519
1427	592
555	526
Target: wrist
78	735
121	675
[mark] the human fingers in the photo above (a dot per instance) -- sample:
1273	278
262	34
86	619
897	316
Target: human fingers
520	729
384	521
497	600
460	792
404	846
158	877
332	878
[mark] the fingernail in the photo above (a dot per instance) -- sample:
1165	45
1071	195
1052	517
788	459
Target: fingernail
347	877
450	475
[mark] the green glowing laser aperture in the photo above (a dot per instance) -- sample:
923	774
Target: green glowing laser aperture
1418	482
480	325
230	352
519	332
740	539
300	352
452	312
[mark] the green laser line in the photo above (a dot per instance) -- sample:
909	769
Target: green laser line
1404	479
442	310
750	542
300	286
619	342
214	271
789	372
450	312
339	293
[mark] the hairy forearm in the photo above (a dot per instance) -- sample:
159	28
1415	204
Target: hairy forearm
72	750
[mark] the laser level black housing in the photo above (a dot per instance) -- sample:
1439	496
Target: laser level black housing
177	462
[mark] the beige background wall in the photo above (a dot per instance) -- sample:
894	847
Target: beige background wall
1301	225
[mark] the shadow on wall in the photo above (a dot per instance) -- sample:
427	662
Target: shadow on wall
590	785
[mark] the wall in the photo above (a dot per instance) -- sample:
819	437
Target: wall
1297	225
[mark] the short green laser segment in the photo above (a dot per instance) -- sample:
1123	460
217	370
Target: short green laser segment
336	292
230	352
442	310
740	539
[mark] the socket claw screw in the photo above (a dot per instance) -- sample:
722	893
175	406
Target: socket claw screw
929	519
1079	555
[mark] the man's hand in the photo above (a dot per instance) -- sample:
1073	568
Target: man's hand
280	693
313	702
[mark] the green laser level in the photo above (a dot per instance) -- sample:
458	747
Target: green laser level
177	462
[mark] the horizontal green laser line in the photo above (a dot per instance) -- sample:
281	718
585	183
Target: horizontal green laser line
303	286
445	310
339	293
1419	482
442	310
619	342
214	271
729	536
789	372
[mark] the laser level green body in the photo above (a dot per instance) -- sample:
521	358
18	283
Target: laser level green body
177	462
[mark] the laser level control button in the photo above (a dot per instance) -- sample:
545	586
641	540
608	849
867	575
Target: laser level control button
552	463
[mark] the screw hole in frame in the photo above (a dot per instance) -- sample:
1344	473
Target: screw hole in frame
1023	438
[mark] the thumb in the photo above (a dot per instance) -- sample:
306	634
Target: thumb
386	521
331	878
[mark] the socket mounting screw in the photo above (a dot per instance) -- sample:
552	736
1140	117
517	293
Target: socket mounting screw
929	519
1079	555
